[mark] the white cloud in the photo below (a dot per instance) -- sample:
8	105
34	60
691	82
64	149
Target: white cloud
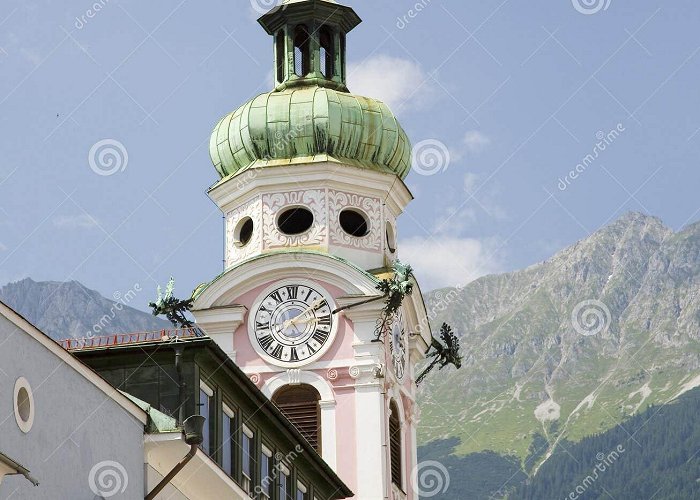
82	221
476	141
449	261
400	83
2	247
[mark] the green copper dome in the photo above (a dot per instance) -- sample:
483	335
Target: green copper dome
309	124
310	116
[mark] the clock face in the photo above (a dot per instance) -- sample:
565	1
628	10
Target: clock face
292	323
397	344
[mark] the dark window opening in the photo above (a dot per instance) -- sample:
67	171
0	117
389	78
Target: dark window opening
300	404
395	444
327	52
302	59
244	232
390	238
280	56
295	221
354	223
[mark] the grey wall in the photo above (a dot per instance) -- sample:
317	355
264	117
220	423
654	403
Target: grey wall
76	426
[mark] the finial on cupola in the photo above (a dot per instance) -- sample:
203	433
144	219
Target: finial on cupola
309	42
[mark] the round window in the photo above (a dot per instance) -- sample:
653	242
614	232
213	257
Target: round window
295	220
24	405
243	232
390	238
354	223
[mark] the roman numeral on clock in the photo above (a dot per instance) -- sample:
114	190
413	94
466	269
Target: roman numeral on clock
293	292
276	352
266	341
277	297
320	336
262	326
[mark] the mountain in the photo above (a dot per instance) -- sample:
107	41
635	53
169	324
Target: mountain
70	309
567	348
652	455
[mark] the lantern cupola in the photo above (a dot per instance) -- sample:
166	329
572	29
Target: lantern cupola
309	42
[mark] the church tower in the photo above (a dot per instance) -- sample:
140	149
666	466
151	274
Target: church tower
311	186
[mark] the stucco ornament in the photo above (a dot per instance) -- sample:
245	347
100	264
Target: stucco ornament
274	204
236	253
371	207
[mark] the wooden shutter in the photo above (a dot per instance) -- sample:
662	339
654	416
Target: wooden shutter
395	445
300	405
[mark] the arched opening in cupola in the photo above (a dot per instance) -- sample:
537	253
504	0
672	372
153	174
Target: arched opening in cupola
327	52
302	52
280	55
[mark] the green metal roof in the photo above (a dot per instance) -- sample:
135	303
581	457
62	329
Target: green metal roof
158	422
310	124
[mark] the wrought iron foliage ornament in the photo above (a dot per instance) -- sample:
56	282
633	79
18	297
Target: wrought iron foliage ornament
443	352
173	308
394	290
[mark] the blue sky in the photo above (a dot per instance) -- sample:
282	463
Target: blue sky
503	98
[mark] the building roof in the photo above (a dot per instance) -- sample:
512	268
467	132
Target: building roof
143	340
52	346
310	124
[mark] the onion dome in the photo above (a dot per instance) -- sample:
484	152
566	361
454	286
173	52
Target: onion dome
310	116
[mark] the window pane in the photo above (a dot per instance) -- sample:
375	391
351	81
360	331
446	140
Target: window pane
204	408
227	445
266	479
301	492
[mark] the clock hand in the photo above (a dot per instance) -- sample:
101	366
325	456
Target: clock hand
306	311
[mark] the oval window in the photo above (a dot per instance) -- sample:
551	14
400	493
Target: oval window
390	238
354	223
243	232
295	220
24	405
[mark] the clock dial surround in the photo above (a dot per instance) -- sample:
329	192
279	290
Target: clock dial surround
291	324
